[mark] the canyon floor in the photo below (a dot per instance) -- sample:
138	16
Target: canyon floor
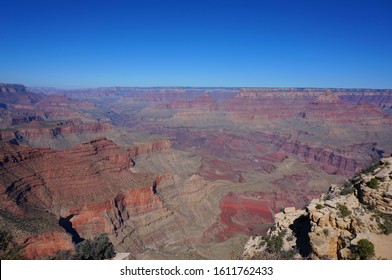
176	173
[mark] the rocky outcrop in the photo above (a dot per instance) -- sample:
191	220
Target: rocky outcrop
376	187
333	224
47	244
16	96
60	130
12	88
29	133
109	216
150	147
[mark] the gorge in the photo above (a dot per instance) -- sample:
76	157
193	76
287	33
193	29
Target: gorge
176	173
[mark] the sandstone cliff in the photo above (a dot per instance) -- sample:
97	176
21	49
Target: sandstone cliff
331	226
150	147
90	186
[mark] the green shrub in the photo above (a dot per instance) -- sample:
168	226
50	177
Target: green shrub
100	248
319	206
371	207
347	191
384	221
373	183
275	243
364	249
386	227
281	255
344	212
287	255
63	255
359	222
372	167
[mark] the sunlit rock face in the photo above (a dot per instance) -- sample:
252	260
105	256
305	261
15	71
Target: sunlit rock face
330	226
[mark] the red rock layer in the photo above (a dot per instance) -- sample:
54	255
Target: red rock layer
248	212
47	244
150	147
109	216
32	132
92	182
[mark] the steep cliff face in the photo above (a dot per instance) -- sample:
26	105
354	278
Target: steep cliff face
332	160
47	244
90	183
110	216
331	226
33	134
92	187
16	96
12	88
150	147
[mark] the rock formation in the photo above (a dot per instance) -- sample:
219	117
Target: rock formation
92	183
331	226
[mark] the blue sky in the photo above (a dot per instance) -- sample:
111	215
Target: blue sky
197	43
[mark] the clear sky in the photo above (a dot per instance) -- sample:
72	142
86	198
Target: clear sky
276	43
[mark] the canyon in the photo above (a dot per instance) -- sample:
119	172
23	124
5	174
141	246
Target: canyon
176	173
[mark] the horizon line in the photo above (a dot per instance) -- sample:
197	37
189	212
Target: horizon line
193	87
204	87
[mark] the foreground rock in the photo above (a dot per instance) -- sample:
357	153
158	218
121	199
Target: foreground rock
331	226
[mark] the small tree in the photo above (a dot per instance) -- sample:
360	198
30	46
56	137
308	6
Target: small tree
373	183
275	243
319	206
100	248
84	250
344	211
365	249
104	249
